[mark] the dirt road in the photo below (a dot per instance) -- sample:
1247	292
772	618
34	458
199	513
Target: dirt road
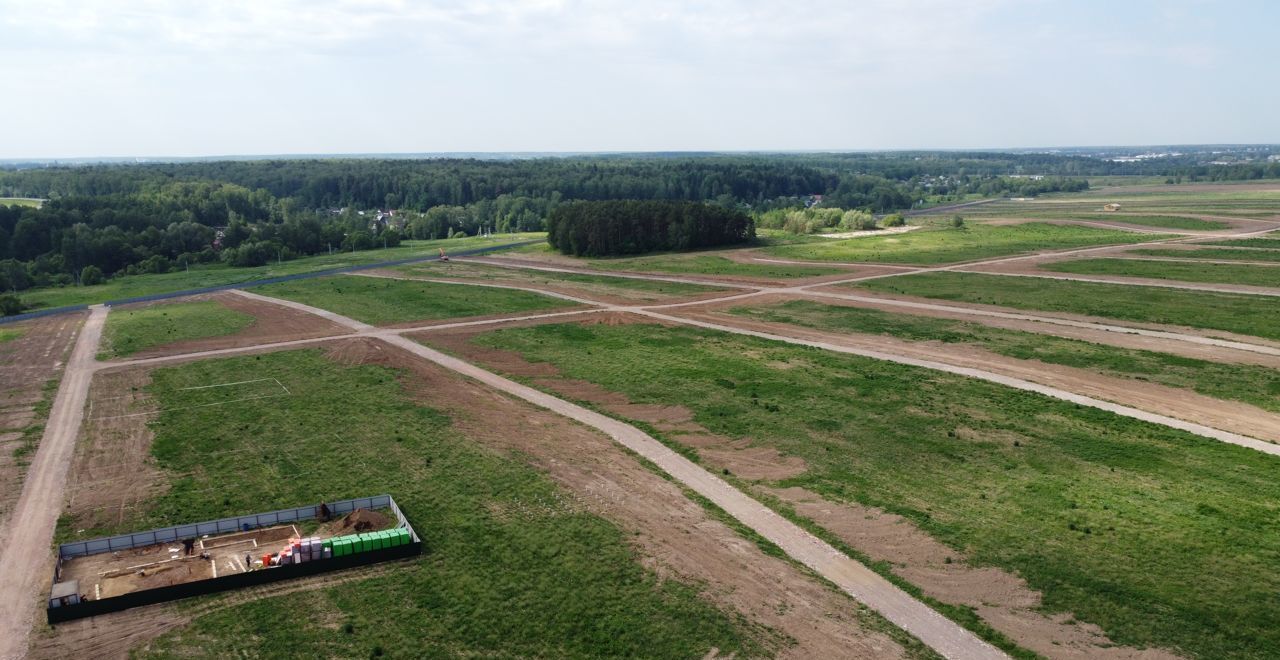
23	564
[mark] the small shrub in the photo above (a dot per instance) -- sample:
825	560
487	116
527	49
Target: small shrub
893	220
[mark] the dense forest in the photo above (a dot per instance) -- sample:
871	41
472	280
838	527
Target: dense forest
104	220
604	228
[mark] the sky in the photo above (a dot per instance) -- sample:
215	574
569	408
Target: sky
183	78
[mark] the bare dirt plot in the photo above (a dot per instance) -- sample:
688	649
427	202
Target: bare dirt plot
675	535
27	364
271	323
112	471
111	574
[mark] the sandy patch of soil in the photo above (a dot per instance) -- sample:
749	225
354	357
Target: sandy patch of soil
272	323
674	535
1002	599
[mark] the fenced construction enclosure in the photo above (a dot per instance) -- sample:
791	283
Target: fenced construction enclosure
136	569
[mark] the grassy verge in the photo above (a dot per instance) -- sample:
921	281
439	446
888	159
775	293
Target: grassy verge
1160	537
949	245
1242	313
1269	243
34	431
1250	384
7	335
514	567
708	264
469	271
1170	270
1212	253
131	330
381	301
208	275
1163	221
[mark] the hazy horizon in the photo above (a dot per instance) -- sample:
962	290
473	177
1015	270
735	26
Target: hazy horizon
158	79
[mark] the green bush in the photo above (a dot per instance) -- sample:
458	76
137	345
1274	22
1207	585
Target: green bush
91	275
893	220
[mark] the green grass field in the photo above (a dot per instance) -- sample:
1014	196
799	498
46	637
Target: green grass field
648	289
1170	270
1268	243
1159	537
1242	313
1163	221
131	330
709	264
551	581
118	288
939	246
381	301
1250	384
7	335
21	201
1224	254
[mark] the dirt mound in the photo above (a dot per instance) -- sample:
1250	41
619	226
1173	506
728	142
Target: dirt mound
362	520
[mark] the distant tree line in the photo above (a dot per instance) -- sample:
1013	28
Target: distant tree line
596	229
149	218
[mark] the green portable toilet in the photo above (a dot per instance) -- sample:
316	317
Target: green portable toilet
348	545
366	543
340	546
379	540
387	540
405	537
393	538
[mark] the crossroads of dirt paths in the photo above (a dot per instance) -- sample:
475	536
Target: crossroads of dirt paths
651	311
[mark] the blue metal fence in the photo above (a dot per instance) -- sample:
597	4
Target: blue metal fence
227	525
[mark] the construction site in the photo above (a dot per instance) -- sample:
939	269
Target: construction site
115	573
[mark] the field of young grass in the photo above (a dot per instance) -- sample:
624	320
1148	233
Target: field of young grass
21	201
1159	537
131	330
7	334
710	264
1223	254
551	581
1250	384
382	301
1262	242
481	272
1241	313
948	245
1171	270
118	288
1162	221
